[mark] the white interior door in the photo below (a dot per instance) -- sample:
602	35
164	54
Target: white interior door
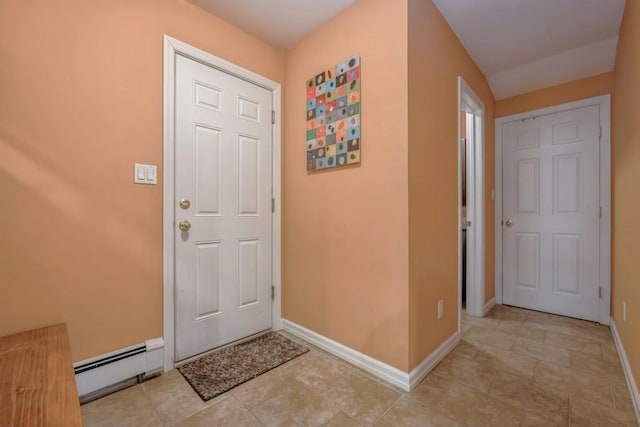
223	191
551	213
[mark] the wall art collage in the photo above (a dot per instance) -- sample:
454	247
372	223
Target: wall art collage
333	116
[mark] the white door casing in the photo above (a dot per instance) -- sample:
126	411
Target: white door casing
470	103
554	256
234	238
473	306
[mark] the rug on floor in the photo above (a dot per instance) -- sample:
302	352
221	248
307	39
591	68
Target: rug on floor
229	367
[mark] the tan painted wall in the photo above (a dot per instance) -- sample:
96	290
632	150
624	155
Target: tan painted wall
579	89
345	244
436	59
626	177
81	85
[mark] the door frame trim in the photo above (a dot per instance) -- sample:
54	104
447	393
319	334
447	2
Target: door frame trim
469	101
604	102
172	48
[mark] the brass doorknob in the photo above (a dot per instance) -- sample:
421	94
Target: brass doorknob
509	223
185	225
185	203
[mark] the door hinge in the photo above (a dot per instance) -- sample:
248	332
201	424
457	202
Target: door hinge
600	134
600	212
273	117
273	205
600	292
273	293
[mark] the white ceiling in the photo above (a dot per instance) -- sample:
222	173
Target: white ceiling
281	23
519	45
524	45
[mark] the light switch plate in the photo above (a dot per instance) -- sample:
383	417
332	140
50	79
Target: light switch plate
145	174
152	174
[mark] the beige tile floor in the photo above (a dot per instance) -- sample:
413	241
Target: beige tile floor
513	368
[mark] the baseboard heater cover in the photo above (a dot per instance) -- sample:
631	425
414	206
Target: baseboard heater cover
111	368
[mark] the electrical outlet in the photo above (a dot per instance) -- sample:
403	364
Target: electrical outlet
624	311
440	308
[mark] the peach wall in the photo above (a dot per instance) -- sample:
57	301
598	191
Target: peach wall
626	176
345	245
436	59
81	85
579	89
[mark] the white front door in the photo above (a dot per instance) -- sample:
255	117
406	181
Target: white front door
551	213
223	191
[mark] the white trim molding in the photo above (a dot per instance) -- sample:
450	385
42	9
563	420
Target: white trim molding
628	373
418	373
604	102
405	381
489	305
172	48
469	102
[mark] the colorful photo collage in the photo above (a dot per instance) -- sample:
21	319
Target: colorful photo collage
333	116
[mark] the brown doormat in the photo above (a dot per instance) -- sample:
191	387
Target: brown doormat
229	367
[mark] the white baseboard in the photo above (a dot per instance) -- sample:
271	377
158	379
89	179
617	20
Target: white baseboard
489	305
418	373
631	382
111	368
405	381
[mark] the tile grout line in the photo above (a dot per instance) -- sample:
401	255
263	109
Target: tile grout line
246	409
613	396
387	411
570	408
155	407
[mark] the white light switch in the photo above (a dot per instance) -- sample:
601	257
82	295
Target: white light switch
151	174
145	174
141	174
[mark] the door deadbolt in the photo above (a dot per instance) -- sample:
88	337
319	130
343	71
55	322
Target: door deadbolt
185	204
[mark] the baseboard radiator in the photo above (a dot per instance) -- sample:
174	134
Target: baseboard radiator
111	368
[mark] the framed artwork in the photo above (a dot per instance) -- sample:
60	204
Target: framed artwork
333	116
